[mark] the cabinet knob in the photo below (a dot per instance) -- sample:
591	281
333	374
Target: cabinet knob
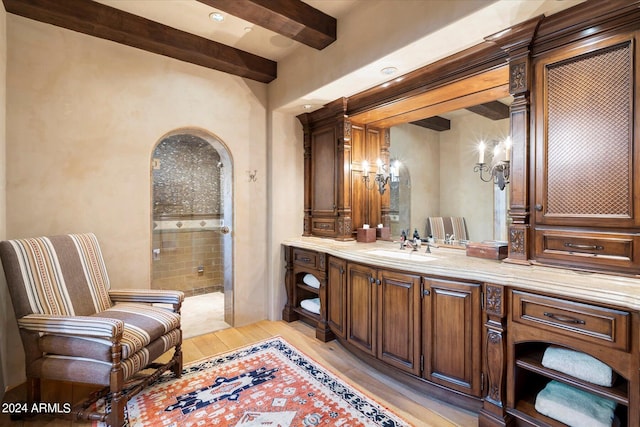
378	282
371	279
538	207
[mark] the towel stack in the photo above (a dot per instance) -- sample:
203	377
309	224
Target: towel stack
311	280
312	305
570	405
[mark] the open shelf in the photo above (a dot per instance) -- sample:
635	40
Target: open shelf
531	377
308	288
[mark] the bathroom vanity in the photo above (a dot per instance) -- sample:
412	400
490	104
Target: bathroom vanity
476	331
468	330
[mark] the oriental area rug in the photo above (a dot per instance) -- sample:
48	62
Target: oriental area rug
269	384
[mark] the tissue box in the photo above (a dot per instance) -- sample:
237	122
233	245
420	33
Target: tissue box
487	249
366	235
383	233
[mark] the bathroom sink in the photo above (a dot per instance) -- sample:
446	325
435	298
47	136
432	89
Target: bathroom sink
406	254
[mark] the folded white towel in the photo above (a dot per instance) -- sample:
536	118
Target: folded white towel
574	407
312	305
311	280
579	365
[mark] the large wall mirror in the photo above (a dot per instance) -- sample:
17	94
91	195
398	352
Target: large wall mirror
437	156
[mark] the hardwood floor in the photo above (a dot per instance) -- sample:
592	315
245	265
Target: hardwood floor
417	409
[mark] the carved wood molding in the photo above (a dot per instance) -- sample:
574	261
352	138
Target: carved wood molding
494	300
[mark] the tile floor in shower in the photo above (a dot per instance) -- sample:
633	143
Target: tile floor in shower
202	314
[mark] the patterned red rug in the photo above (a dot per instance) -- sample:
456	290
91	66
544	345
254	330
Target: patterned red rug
269	384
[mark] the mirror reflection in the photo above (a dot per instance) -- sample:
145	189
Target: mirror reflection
436	158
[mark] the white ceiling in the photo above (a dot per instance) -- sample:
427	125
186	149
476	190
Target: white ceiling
332	78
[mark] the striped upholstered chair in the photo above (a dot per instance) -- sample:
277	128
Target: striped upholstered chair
75	328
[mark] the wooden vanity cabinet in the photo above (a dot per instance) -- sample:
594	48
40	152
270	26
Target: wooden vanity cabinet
383	315
301	262
337	296
586	207
451	334
539	321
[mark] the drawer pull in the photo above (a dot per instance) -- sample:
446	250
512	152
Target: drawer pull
588	247
304	259
565	319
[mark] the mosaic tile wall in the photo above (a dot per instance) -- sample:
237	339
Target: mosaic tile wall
186	177
186	185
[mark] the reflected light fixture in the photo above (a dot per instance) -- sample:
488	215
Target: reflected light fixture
383	176
216	16
498	169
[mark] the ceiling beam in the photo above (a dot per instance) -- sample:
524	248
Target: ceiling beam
494	110
291	18
109	23
436	123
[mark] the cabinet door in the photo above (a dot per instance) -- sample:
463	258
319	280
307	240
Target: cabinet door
361	307
399	320
323	172
451	332
337	296
584	115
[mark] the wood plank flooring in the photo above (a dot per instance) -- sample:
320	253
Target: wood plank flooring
419	410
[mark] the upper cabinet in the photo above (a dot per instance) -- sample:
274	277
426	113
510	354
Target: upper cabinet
586	196
573	192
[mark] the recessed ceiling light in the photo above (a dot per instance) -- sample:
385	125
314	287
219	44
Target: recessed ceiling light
389	70
247	29
216	16
307	106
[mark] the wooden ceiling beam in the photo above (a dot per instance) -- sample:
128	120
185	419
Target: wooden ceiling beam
109	23
436	123
494	110
291	18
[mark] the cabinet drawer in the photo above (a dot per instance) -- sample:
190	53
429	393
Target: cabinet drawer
305	258
323	226
599	250
583	321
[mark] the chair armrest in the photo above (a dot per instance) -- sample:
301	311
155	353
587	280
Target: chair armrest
87	326
146	295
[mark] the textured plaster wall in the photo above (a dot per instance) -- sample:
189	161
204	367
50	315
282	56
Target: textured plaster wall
462	191
83	118
6	312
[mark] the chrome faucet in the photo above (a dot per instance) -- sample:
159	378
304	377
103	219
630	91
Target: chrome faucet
429	246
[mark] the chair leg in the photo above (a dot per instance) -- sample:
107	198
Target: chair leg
116	415
177	368
33	390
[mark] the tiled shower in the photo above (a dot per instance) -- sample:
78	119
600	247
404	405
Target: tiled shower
187	216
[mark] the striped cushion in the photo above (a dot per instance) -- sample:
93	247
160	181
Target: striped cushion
143	324
89	371
61	275
439	227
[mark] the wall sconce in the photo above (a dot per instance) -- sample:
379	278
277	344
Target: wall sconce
383	176
498	169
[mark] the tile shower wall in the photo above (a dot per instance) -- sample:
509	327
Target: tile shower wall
181	255
187	206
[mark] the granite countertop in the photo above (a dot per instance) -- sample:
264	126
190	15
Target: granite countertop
449	262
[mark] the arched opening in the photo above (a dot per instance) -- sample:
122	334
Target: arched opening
192	214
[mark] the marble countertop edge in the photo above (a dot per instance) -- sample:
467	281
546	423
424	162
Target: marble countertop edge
621	291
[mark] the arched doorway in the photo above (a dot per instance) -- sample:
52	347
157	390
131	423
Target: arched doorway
192	215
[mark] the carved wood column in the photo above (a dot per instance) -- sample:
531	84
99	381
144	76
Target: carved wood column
304	119
343	171
385	199
493	412
289	282
323	332
517	44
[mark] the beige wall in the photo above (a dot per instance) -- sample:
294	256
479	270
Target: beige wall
83	117
463	193
418	149
5	305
